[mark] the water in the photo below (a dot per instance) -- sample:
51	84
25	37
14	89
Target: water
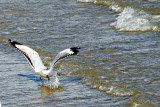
118	64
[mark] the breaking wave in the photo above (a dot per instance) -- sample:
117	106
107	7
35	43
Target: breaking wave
129	19
133	20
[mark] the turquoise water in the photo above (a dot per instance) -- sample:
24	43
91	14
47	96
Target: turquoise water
118	64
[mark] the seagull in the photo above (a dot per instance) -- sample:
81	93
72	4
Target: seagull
35	61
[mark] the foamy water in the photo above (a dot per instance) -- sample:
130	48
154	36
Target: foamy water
130	19
134	20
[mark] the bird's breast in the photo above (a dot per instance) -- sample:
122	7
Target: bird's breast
42	74
45	75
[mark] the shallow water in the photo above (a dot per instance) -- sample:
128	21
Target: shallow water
118	64
21	87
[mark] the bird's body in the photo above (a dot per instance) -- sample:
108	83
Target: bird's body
35	61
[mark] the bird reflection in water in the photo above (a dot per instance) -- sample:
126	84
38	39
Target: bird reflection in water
48	91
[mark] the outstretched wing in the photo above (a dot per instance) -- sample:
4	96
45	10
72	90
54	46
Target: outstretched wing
31	55
63	54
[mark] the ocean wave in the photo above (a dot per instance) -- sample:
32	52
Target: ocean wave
130	19
94	79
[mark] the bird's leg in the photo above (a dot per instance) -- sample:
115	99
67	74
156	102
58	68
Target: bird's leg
42	81
58	74
48	78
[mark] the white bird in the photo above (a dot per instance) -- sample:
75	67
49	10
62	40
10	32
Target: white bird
35	61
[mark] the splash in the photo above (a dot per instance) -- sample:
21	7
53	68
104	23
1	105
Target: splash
55	84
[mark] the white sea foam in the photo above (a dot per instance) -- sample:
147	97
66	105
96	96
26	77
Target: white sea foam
117	91
102	88
115	7
134	20
87	1
136	105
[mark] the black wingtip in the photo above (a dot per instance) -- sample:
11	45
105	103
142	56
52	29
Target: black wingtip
13	43
75	50
9	40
